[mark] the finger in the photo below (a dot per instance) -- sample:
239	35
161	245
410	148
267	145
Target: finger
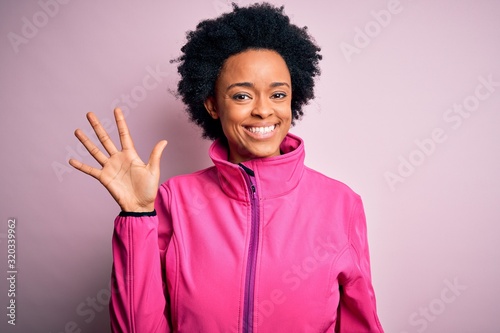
91	147
87	169
125	138
101	133
154	158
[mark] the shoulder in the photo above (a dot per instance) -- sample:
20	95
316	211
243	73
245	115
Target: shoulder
331	186
187	189
191	179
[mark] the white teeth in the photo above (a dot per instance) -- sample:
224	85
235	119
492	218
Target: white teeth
261	130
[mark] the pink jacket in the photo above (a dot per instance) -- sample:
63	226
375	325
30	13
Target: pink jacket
268	246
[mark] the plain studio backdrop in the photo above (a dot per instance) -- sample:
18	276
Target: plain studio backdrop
407	114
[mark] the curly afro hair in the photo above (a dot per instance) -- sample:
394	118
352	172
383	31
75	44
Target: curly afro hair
259	26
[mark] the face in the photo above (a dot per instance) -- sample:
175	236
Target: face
252	99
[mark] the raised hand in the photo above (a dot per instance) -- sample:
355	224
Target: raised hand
132	183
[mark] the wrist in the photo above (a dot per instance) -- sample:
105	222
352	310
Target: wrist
138	208
137	214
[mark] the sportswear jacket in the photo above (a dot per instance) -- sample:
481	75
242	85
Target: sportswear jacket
268	245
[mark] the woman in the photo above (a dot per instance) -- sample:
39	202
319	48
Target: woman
274	246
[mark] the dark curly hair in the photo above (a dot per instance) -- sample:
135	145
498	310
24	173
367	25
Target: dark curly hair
259	26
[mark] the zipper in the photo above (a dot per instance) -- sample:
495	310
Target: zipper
252	251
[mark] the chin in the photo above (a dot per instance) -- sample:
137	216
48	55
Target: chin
265	153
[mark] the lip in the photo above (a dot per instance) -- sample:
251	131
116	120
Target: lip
258	135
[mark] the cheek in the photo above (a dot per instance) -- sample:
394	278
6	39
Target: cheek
286	114
233	116
229	119
230	122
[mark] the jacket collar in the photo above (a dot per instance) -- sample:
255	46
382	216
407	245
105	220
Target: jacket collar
274	176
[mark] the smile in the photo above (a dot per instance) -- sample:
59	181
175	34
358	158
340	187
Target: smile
261	130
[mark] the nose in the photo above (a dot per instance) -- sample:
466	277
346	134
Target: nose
262	108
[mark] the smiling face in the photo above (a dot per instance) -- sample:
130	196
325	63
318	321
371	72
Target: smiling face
253	95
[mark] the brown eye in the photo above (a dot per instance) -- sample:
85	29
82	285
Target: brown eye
241	97
279	95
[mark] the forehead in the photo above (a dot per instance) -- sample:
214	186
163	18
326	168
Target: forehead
255	65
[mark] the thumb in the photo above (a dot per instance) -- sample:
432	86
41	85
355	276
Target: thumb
154	158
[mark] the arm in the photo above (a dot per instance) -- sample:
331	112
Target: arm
357	309
138	302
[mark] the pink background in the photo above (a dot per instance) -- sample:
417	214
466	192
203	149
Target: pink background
434	234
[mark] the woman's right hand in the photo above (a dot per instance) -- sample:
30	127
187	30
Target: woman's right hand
132	183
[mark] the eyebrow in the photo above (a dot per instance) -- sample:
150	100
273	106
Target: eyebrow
250	85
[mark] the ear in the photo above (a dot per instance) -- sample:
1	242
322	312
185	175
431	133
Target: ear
210	106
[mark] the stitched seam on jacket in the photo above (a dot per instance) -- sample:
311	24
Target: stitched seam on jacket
352	217
131	277
330	277
356	251
334	262
175	304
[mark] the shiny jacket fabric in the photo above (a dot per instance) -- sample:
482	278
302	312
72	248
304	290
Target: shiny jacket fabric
267	246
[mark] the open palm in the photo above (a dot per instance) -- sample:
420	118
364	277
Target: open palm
132	183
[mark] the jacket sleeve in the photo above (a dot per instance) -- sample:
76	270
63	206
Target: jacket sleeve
357	311
138	295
